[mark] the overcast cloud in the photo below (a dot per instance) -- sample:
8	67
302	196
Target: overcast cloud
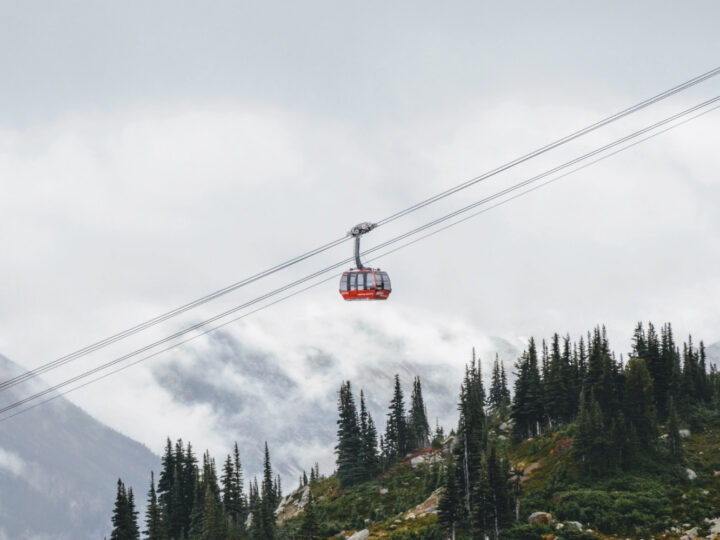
152	153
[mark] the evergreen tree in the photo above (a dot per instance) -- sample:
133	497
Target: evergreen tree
132	515
167	490
639	401
368	441
232	496
124	518
703	388
590	443
214	526
185	486
254	509
498	387
153	519
557	385
504	387
268	501
396	431
418	427
527	406
471	433
491	507
349	447
482	502
240	507
583	437
449	506
438	436
309	528
676	450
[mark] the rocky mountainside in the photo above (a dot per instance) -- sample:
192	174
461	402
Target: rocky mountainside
672	502
713	353
59	467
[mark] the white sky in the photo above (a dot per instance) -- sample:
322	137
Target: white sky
152	153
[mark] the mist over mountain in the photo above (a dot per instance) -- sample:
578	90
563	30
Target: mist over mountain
713	353
59	467
253	395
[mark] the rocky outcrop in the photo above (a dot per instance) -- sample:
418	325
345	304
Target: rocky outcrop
714	528
427	507
690	474
540	518
292	504
426	458
360	535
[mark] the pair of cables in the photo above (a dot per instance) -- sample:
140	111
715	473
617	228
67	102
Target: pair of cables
702	108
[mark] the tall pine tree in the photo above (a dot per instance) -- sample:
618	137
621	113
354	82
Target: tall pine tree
418	427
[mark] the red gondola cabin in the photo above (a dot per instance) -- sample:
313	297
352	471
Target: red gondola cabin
365	284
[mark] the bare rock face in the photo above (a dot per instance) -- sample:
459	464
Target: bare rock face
360	535
540	518
292	504
428	506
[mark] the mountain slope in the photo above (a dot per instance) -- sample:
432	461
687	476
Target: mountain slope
660	500
59	467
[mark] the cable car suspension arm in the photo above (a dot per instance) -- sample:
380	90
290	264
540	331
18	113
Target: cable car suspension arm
357	231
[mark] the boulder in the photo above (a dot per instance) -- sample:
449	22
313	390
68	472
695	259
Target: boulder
575	524
690	474
360	535
690	534
384	491
714	527
540	518
504	427
430	457
684	433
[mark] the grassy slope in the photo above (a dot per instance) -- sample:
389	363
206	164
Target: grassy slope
368	506
646	502
650	500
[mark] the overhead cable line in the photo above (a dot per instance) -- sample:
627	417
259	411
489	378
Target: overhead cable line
164	317
421	228
335	276
555	144
235	286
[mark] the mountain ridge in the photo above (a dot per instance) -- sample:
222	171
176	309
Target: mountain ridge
58	468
